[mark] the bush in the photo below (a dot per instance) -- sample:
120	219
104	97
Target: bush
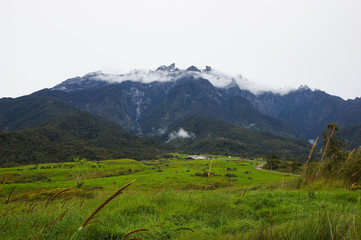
337	164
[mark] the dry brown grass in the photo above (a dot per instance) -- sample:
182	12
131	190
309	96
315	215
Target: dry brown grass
2	186
61	215
18	222
61	234
244	193
155	193
64	201
159	226
91	216
350	155
55	195
58	193
34	224
11	192
41	231
328	142
88	230
353	185
3	226
188	229
310	155
32	206
7	212
37	194
135	231
81	204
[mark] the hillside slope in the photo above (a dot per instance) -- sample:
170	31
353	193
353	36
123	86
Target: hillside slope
351	136
202	135
63	136
307	111
30	111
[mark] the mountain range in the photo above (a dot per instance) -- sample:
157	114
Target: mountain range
185	110
146	103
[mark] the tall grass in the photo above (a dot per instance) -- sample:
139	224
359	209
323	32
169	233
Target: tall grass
338	167
237	211
218	214
92	215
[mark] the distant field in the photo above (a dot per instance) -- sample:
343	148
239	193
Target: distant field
169	200
175	173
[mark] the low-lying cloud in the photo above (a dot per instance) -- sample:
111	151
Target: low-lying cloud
170	73
181	133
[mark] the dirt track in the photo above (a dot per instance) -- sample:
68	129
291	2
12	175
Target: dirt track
259	167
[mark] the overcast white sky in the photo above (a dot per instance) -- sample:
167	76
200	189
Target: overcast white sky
271	42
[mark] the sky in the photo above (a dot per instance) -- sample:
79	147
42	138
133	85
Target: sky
273	43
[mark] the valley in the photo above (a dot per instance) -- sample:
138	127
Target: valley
180	120
108	157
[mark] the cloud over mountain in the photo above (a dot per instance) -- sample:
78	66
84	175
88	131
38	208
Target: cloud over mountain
180	134
171	73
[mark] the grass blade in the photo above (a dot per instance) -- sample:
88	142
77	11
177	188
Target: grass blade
86	221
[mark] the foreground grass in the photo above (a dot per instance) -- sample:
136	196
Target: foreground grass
169	214
169	201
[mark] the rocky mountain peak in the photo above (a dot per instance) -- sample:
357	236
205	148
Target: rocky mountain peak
167	68
193	69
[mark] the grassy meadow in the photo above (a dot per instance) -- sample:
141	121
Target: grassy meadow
172	198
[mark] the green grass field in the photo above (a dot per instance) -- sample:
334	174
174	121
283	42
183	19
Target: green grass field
170	199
